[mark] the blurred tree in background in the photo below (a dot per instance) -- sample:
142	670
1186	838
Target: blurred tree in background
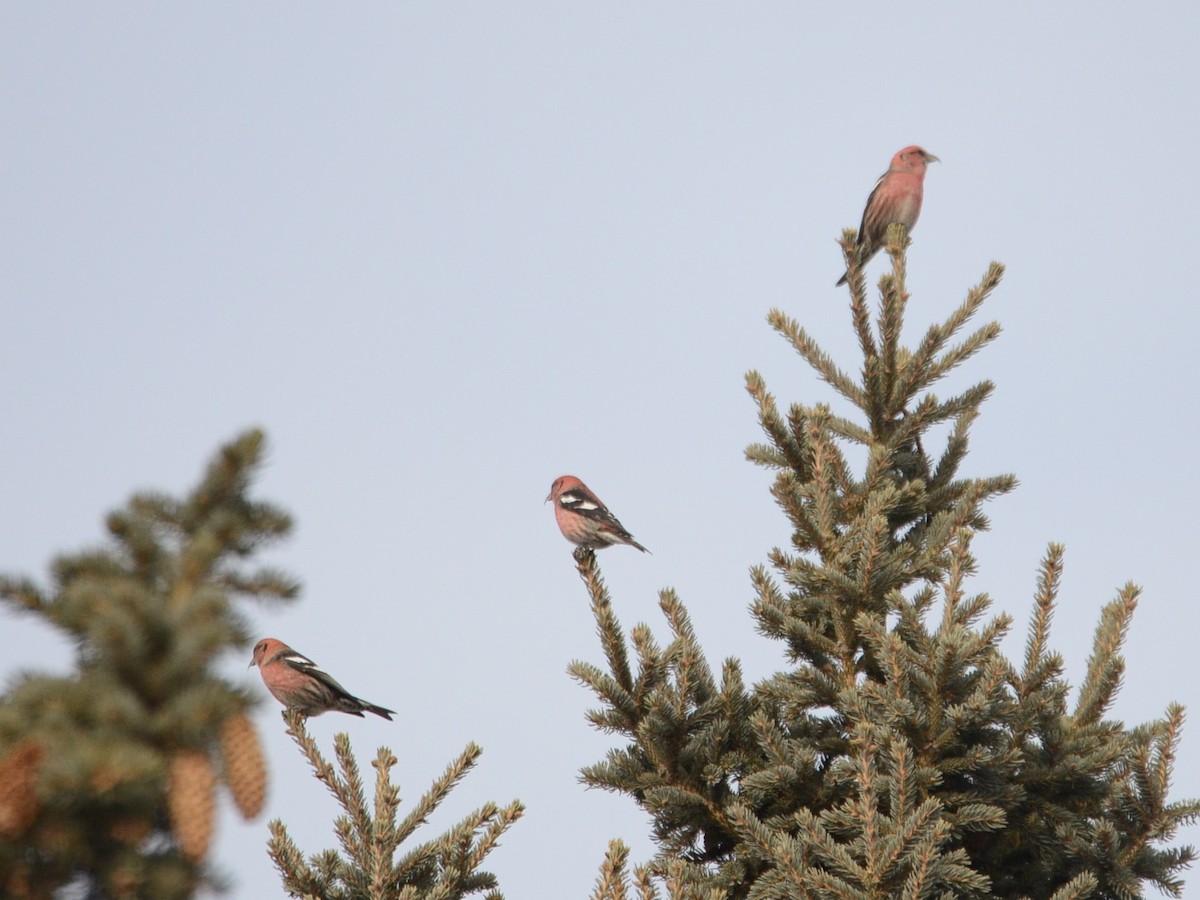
108	774
899	753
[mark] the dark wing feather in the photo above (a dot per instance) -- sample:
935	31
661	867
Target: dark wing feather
303	664
588	505
862	243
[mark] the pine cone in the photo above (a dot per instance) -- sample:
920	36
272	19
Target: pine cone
18	783
190	801
245	768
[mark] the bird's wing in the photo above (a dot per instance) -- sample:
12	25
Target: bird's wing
306	666
862	226
588	505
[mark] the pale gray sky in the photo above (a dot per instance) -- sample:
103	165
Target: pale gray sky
443	253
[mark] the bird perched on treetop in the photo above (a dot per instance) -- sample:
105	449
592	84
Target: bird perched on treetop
583	519
300	684
896	200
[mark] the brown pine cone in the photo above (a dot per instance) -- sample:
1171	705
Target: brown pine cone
191	802
245	768
18	783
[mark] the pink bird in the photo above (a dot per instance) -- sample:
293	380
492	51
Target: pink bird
583	519
299	683
895	200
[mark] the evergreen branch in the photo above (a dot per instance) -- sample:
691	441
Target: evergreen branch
772	845
380	828
621	771
1175	816
951	458
447	867
607	626
837	872
855	269
765	456
816	357
1165	750
461	850
897	240
352	797
654	667
439	790
1106	666
1164	864
1078	888
794	501
265	584
964	406
957	355
979	817
694	678
1040	666
643	880
22	593
624	709
158	508
806	637
226	477
819	423
289	861
860	317
324	771
611	884
824	494
138	539
961	565
492	828
922	372
844	428
870	370
788	450
887	401
921	880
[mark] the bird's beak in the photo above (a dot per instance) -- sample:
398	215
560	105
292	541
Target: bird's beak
251	666
548	496
929	157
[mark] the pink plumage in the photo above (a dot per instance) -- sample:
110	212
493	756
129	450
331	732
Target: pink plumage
896	200
583	519
299	683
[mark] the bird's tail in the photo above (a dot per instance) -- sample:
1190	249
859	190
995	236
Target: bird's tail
379	711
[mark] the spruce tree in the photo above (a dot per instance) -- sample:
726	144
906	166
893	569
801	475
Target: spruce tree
898	753
108	773
370	866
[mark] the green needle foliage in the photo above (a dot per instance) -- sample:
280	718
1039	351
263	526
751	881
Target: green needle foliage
899	753
613	883
107	773
446	868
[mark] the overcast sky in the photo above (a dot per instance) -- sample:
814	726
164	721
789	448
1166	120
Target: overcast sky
445	252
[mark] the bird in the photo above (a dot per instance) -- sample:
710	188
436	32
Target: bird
583	519
895	200
300	684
